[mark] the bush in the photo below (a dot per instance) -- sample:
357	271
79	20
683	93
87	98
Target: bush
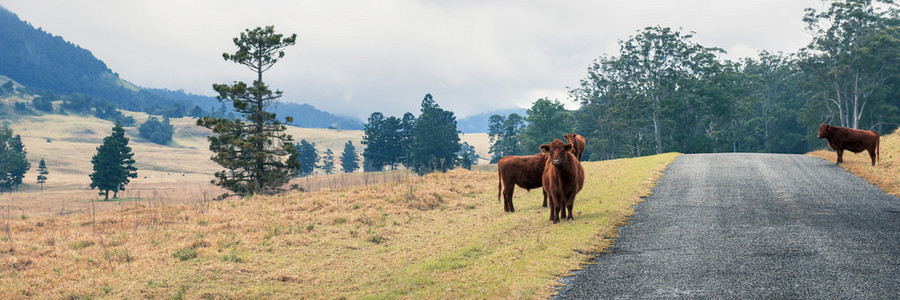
156	131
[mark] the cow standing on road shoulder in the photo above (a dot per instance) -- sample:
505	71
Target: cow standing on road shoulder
855	140
524	171
563	178
577	142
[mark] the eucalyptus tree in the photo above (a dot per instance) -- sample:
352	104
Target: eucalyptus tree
854	51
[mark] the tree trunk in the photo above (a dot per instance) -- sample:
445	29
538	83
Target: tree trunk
656	133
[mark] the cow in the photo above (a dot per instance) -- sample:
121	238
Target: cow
855	140
524	171
577	142
563	178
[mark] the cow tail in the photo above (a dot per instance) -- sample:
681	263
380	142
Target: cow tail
878	150
499	183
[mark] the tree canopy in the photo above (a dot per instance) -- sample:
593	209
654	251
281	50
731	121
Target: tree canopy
113	164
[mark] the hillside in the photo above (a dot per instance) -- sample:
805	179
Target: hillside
479	123
68	142
44	63
884	175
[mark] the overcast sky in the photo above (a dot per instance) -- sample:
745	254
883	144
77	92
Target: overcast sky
356	57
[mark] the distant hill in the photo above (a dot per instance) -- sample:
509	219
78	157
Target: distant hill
42	63
479	123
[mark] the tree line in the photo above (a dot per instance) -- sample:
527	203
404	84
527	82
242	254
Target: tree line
665	92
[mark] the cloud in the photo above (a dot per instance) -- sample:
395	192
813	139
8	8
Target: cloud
356	57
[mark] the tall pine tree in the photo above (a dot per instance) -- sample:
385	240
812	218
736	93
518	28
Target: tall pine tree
307	156
42	173
435	139
328	162
349	158
13	162
258	155
113	164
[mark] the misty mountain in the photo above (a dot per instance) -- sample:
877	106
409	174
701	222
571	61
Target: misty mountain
479	123
43	63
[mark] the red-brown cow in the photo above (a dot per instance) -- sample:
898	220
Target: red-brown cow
855	140
524	171
563	178
577	142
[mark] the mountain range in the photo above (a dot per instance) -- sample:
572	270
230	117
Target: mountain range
47	64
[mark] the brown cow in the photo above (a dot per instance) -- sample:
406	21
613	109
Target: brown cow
855	140
577	142
563	178
524	171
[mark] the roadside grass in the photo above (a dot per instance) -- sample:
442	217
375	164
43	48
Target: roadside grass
436	236
885	175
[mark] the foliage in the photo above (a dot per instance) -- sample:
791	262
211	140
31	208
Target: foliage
307	157
113	164
547	120
13	161
435	139
328	162
156	131
42	173
44	102
853	57
258	156
349	158
467	156
503	133
387	141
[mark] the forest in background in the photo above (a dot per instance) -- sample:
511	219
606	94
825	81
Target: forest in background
665	92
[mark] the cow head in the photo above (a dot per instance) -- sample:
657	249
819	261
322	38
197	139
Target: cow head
558	151
823	130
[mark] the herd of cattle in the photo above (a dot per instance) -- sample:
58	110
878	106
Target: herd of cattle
558	171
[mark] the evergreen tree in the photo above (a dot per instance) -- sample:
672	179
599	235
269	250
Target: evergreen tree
113	164
13	161
328	162
42	173
386	141
349	159
435	139
258	155
307	157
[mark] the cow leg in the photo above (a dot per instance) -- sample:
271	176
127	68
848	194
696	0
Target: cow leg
840	154
571	216
872	155
508	197
545	199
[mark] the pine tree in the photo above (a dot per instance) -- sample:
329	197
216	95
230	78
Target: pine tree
328	162
113	164
349	159
258	155
307	157
435	139
42	173
13	161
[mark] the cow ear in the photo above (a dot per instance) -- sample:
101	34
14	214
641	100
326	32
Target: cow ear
545	148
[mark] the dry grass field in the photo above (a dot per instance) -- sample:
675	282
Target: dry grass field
179	172
437	236
886	173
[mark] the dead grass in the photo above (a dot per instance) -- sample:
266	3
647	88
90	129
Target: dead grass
885	175
437	236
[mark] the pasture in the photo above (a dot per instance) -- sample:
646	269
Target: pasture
436	236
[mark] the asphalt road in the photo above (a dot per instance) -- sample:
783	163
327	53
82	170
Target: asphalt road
752	226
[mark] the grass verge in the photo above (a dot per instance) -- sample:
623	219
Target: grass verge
436	236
